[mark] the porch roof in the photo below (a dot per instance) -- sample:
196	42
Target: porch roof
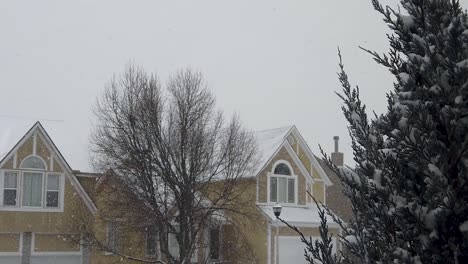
297	215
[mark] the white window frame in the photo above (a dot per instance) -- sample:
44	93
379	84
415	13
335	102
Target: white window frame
27	157
170	236
19	192
292	176
2	187
220	246
156	237
46	190
42	189
117	237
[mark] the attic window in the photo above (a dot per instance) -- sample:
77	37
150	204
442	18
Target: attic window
282	169
33	162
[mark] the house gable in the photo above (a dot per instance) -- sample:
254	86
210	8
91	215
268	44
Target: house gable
37	143
283	155
313	178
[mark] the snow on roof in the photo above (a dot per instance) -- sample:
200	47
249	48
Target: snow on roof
73	147
268	143
295	215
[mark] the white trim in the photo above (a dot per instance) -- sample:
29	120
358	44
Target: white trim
256	188
2	188
286	205
268	243
296	196
19	207
84	175
15	160
311	157
52	253
30	209
34	144
298	162
36	156
308	224
61	190
51	162
279	162
57	253
21	244
10	254
2	181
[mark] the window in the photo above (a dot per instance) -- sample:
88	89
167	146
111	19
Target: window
151	241
53	189
113	236
33	162
32	189
282	169
10	188
282	185
214	243
173	246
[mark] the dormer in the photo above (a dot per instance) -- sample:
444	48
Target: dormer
288	169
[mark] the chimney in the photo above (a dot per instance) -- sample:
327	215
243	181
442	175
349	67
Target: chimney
337	157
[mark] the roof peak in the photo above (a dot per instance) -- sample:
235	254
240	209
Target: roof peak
276	128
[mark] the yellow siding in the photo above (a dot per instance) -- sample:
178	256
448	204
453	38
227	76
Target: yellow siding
304	159
42	151
249	241
315	173
55	242
318	191
263	178
9	242
8	164
44	222
25	150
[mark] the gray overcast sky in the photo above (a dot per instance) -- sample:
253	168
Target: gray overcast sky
272	62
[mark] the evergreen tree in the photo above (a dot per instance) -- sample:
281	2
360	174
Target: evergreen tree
409	189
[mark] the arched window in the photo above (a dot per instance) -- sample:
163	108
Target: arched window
282	184
282	169
33	162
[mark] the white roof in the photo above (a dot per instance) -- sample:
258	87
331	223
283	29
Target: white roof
268	143
296	215
74	148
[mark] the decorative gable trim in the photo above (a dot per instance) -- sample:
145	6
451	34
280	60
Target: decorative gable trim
300	140
298	162
311	157
53	149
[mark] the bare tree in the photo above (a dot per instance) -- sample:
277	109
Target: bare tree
180	161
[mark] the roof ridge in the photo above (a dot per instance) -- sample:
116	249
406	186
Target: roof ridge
276	128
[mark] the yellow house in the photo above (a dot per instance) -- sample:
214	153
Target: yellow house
47	204
39	196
